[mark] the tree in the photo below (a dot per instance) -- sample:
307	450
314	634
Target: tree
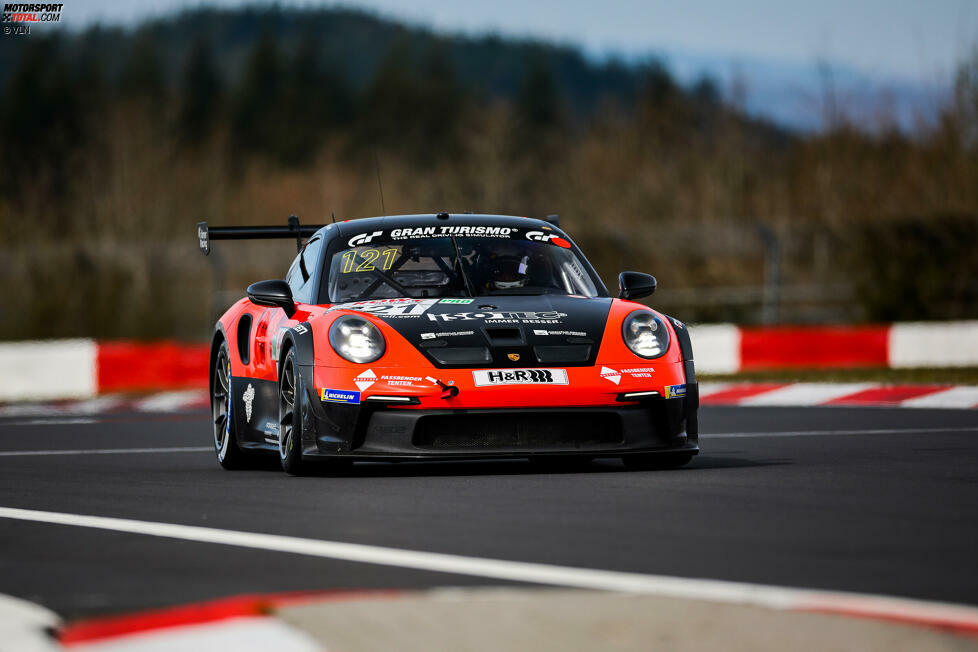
200	94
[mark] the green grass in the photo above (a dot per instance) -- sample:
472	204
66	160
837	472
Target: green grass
924	376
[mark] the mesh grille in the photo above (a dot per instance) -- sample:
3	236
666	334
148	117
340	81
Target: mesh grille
530	431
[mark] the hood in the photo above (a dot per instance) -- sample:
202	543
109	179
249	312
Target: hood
497	331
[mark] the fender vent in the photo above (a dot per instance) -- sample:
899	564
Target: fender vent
243	337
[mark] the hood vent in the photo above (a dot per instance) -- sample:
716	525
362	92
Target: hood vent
462	355
562	353
504	336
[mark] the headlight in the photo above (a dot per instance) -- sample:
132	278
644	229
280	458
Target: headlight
356	339
645	334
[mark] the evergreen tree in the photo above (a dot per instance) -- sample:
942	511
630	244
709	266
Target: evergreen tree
200	94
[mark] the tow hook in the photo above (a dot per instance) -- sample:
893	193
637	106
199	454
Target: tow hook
447	391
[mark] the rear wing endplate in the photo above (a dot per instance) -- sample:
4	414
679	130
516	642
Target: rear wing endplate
207	233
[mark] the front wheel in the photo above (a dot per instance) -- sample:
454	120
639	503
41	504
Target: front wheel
656	461
290	417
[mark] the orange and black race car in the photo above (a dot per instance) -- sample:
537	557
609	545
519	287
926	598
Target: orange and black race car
447	337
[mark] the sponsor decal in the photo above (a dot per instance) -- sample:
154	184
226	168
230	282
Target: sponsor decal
678	324
615	375
545	317
248	397
552	238
460	301
483	377
340	396
675	391
270	429
365	380
568	333
431	336
445	231
402	381
400	307
363	238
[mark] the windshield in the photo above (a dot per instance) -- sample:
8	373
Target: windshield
430	267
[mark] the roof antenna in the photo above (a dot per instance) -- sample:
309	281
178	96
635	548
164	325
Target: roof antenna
333	215
379	184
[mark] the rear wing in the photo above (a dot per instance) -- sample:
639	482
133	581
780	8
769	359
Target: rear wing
294	230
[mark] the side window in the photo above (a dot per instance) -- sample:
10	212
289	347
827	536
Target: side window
294	277
303	275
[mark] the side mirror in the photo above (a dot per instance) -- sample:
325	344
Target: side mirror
635	285
276	294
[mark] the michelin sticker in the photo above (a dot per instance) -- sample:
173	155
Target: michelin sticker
248	397
483	377
339	396
675	391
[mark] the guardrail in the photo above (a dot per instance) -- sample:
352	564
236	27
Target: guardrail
82	368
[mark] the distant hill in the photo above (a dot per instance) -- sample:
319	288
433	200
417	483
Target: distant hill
356	44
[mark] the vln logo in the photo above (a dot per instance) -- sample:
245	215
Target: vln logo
363	238
552	238
484	377
611	374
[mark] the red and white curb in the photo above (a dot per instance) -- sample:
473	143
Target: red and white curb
193	400
745	394
839	395
83	368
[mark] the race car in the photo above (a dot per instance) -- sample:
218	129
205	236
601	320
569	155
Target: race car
446	336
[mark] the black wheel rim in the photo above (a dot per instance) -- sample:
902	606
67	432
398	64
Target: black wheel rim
221	404
286	411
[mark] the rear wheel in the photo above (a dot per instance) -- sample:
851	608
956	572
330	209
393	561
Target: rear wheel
225	439
290	417
656	461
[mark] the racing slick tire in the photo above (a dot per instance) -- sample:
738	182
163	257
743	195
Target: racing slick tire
290	388
225	439
656	461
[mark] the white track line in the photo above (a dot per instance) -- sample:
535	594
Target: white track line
110	451
514	571
826	433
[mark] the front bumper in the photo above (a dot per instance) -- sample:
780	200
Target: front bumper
378	431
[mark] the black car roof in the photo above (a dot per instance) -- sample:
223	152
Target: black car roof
364	224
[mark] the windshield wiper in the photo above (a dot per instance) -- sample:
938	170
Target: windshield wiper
460	268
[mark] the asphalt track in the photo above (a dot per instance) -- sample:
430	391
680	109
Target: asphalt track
800	497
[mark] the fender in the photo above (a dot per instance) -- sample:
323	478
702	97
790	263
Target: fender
692	399
299	339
